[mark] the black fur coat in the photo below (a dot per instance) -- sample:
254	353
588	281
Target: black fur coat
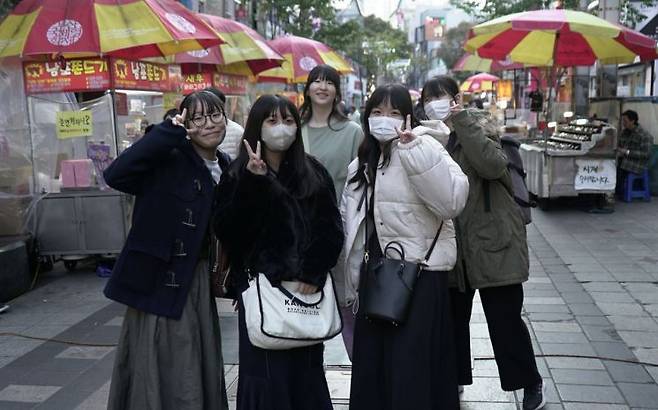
265	228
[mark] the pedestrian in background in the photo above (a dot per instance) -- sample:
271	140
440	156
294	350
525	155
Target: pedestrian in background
402	188
330	137
169	354
491	244
277	215
233	141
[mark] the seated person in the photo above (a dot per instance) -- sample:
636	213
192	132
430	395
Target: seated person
633	147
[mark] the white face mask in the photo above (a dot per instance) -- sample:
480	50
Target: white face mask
384	128
279	137
438	109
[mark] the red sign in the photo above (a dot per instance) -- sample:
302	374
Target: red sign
230	83
74	75
196	82
140	75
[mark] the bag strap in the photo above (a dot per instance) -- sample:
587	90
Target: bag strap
364	199
487	196
436	239
297	300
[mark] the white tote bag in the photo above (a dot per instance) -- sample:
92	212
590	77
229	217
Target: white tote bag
282	318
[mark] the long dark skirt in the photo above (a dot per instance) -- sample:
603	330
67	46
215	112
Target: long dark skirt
169	364
280	379
411	366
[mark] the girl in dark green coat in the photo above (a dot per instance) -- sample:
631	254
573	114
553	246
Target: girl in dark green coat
491	243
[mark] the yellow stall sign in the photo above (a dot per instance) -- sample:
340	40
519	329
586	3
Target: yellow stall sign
73	124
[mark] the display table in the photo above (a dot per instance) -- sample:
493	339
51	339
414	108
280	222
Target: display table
90	222
576	159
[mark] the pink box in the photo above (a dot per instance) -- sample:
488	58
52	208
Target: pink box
76	173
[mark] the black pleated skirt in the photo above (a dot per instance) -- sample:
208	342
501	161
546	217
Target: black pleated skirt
280	379
412	366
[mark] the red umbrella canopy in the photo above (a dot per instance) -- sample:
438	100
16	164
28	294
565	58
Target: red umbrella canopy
124	28
302	55
243	44
479	82
558	37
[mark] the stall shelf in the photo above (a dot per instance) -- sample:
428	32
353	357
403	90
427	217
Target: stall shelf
579	158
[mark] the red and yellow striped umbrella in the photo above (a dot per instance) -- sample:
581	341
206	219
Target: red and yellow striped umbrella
558	38
301	56
122	28
244	52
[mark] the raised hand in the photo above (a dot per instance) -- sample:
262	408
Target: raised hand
179	120
255	165
307	288
456	108
406	136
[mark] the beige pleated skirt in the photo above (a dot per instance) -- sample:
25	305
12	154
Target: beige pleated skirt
164	364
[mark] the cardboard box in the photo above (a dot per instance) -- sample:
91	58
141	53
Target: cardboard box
77	173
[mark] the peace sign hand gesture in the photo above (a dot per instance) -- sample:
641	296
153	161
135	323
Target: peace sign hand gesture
179	120
255	165
406	136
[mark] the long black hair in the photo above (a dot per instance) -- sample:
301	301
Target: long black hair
439	86
295	172
369	150
210	103
328	73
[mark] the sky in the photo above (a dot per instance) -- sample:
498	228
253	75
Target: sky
384	8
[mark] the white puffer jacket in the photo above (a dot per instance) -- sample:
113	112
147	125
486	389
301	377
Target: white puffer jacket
420	187
232	140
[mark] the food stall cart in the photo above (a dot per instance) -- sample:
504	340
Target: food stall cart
75	139
578	158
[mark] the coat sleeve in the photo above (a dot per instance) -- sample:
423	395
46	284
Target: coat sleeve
130	171
483	153
327	236
644	153
434	176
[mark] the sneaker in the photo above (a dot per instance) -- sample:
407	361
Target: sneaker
534	397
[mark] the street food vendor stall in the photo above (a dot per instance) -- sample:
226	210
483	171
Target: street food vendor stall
578	158
76	136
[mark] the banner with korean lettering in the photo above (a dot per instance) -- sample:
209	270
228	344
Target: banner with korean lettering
231	83
90	74
73	124
140	75
196	82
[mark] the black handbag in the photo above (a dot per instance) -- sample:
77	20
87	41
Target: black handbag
389	282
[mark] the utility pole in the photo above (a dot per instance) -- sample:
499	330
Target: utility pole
609	11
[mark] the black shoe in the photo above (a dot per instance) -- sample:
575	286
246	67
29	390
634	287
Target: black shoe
534	397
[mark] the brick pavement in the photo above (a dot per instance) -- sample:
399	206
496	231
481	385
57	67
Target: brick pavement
593	292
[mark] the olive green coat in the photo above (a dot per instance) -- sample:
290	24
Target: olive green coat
492	246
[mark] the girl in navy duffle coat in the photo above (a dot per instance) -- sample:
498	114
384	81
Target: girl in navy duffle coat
169	354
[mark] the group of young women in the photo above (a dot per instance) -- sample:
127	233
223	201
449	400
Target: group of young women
290	206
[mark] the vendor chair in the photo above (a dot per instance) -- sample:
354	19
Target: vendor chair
636	186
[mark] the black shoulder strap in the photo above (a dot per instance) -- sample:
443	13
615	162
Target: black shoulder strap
436	238
487	196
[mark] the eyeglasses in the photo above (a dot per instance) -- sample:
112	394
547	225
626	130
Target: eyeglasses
201	120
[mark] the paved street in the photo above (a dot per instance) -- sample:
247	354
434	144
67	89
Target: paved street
591	303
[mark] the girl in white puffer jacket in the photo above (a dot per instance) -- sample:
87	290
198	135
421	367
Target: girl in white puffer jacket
413	186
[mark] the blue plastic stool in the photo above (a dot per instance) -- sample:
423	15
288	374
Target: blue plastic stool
631	192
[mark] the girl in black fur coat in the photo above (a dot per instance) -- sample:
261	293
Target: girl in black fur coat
276	214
